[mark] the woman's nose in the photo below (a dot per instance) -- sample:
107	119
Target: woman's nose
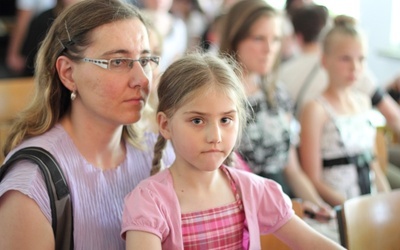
139	78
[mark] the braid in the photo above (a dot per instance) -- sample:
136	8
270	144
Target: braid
158	152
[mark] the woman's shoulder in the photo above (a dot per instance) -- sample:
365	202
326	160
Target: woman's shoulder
54	140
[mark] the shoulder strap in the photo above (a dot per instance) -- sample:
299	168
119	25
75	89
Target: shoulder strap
327	106
305	86
60	203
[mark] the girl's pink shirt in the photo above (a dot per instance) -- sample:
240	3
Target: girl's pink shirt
154	207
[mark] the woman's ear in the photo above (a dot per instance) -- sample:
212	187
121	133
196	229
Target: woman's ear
163	125
64	68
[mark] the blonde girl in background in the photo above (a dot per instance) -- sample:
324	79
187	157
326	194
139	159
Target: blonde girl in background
199	202
337	137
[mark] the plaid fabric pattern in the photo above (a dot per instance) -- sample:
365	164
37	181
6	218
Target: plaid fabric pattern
216	228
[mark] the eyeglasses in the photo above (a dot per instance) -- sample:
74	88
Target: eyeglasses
126	64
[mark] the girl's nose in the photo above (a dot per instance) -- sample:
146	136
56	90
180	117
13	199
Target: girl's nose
214	134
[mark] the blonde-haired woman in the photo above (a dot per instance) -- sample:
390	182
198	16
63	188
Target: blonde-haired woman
92	80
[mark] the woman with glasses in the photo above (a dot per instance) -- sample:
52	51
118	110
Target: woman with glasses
93	75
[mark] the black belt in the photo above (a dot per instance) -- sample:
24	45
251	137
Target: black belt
362	161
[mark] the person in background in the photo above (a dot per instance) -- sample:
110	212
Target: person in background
393	149
289	44
26	10
337	138
195	19
148	121
393	88
252	35
305	78
300	73
211	37
172	29
137	3
93	74
199	202
37	31
302	92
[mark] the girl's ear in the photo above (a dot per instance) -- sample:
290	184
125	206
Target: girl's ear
163	125
64	68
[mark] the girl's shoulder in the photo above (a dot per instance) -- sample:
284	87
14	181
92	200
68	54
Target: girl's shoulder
158	182
317	108
250	180
362	99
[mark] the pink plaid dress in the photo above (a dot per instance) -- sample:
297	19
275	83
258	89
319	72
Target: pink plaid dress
216	228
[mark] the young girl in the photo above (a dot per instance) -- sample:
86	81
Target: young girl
337	137
199	202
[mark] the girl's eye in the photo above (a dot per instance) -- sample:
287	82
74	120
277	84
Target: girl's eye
197	121
346	58
226	120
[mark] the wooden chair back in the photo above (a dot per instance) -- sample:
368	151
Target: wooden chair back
270	241
381	145
15	94
370	222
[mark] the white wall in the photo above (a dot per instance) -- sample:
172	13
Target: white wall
375	20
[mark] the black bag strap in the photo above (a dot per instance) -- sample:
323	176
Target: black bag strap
59	195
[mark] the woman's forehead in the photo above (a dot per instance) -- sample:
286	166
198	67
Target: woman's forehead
128	36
